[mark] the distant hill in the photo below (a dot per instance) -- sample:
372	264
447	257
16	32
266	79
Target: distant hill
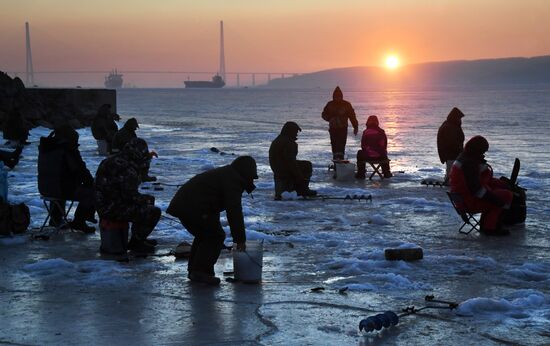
463	73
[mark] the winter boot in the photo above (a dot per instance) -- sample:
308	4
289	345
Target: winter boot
81	226
205	278
140	246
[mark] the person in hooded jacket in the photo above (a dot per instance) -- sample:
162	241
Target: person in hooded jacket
198	204
104	125
289	174
118	198
337	112
472	177
125	134
62	174
450	140
374	146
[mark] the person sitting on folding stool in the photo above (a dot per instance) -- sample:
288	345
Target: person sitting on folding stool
63	175
472	178
374	144
289	174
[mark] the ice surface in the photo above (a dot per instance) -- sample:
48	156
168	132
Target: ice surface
64	287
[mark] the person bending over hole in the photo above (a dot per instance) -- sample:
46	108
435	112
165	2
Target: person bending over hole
198	204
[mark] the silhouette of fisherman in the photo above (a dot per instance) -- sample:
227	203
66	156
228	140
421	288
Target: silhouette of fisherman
289	174
337	112
198	204
14	129
374	146
472	177
118	198
123	137
450	140
104	125
62	174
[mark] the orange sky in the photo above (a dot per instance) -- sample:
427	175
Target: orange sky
275	36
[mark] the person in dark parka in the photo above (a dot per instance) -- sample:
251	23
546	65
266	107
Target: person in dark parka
104	125
62	174
450	140
14	129
198	204
337	112
289	174
125	134
118	198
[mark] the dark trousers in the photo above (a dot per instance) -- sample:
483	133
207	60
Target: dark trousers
84	211
144	220
283	184
338	138
208	242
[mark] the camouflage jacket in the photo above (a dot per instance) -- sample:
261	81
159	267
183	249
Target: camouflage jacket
116	188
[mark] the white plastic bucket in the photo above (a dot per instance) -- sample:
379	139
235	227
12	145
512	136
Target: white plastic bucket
344	171
247	264
102	147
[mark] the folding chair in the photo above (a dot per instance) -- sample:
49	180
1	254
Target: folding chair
52	203
377	167
468	218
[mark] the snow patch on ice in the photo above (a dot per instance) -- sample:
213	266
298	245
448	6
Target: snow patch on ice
378	219
518	305
93	272
538	272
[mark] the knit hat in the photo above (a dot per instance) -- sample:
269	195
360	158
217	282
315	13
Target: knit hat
337	94
476	146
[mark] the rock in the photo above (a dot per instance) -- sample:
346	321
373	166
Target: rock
412	254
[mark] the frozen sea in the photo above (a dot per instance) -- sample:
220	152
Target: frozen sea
61	291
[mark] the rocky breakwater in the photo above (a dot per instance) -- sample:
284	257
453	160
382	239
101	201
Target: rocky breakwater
50	107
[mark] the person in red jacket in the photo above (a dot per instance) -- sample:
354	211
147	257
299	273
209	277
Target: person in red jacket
472	177
374	146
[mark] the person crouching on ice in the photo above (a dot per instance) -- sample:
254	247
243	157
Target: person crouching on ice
472	178
374	146
117	196
289	174
198	204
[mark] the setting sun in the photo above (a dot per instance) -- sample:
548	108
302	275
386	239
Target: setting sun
392	62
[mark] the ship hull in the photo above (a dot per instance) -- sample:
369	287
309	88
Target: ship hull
203	84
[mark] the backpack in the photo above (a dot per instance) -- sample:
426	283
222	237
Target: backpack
14	219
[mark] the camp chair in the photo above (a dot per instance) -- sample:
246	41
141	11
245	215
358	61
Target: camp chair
52	203
468	218
377	167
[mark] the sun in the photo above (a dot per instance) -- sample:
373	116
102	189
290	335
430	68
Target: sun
392	62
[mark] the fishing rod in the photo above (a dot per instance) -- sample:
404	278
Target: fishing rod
390	318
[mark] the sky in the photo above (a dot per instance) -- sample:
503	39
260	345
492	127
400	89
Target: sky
283	36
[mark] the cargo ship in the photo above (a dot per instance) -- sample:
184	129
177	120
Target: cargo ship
113	80
216	82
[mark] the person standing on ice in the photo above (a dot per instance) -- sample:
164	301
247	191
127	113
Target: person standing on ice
472	178
198	204
104	125
337	112
117	194
450	140
374	146
289	174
